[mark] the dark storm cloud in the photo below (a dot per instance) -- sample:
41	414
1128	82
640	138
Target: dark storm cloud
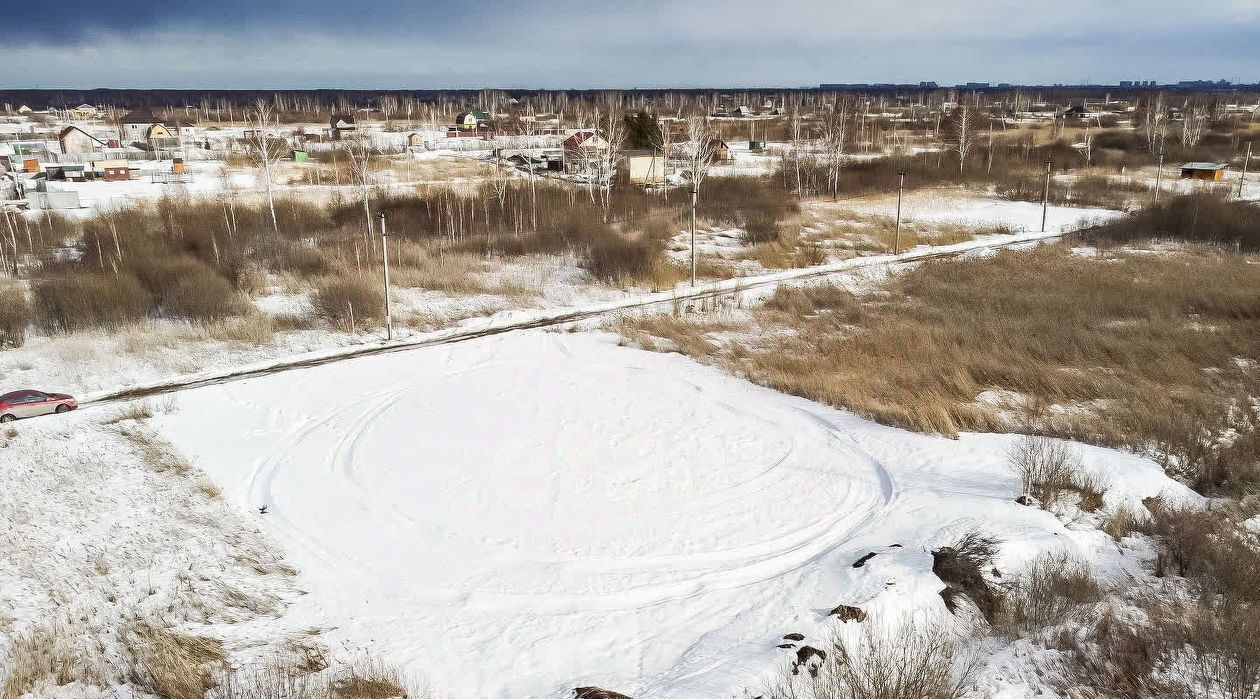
645	43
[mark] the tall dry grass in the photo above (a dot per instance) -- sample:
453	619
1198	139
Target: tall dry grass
172	664
898	661
15	315
1151	352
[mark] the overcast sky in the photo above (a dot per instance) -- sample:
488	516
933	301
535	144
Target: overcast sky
598	43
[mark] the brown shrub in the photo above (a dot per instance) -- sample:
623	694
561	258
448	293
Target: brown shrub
1205	218
902	661
1049	468
185	287
15	315
87	301
611	256
337	299
961	567
1047	592
305	261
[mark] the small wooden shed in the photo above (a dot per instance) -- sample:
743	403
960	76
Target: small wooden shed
1210	172
115	170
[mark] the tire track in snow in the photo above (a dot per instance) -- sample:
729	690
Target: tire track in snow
720	569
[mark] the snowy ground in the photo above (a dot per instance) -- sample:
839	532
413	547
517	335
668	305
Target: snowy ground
961	207
520	515
845	227
103	528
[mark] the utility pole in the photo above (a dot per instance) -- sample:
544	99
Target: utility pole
1045	197
695	193
1159	176
389	316
1243	176
901	185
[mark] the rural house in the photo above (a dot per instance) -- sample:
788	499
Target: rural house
582	150
588	141
472	121
1209	172
84	111
341	124
641	168
76	141
160	136
137	125
721	152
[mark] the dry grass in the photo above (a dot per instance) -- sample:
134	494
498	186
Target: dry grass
370	680
1049	469
1150	352
15	315
340	299
296	674
136	410
899	661
1047	593
157	453
673	333
57	655
172	664
427	266
254	329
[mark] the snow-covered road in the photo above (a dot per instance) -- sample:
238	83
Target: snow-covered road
519	515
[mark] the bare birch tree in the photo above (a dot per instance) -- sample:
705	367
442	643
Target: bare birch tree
663	141
835	137
1155	123
263	115
388	105
702	145
611	157
359	153
964	133
1193	125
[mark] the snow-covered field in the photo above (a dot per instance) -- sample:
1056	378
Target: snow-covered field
520	515
963	208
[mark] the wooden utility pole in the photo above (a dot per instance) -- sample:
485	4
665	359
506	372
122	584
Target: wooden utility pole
1242	177
901	185
1045	197
695	194
389	316
1159	176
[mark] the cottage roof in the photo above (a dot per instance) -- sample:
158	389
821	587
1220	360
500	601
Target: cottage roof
1204	166
579	138
70	129
338	118
141	116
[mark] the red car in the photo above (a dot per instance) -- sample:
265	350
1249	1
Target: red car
20	404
